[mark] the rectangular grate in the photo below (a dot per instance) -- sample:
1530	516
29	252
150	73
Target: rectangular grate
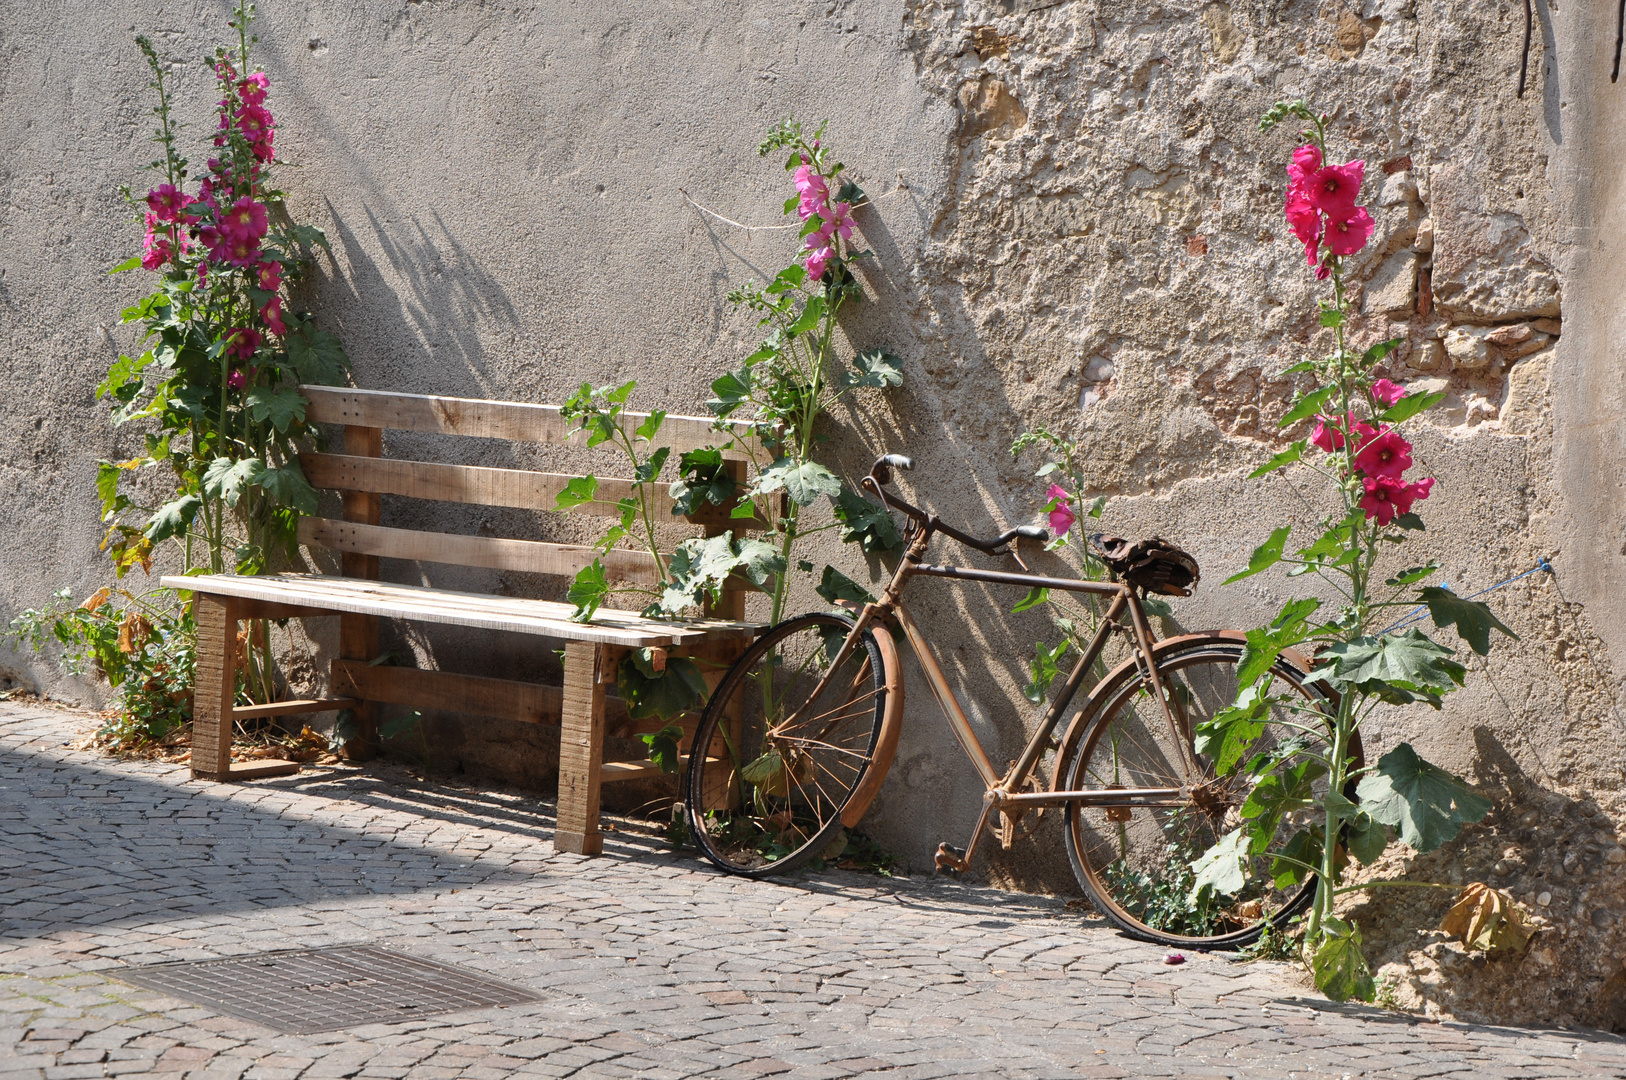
303	991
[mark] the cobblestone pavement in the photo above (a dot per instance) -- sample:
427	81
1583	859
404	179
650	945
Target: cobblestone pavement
647	964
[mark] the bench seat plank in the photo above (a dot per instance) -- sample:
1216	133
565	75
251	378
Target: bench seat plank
544	618
488	552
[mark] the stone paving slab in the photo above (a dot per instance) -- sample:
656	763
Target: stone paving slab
647	964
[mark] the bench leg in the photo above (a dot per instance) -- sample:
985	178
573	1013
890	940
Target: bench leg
215	687
581	749
358	640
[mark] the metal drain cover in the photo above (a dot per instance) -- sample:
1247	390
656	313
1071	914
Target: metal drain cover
303	991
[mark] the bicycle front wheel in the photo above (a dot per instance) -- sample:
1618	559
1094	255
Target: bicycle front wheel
1135	862
782	746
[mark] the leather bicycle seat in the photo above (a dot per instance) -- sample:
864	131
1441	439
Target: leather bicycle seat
1151	565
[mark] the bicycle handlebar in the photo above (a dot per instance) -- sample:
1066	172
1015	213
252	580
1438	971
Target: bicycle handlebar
880	475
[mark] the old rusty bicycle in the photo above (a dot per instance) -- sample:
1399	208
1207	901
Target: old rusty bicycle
800	732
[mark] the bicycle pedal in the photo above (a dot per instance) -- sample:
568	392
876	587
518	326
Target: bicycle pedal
950	859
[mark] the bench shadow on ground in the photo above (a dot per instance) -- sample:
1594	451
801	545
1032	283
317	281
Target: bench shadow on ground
1372	1014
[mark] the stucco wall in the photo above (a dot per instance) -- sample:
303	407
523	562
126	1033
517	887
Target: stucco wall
1086	235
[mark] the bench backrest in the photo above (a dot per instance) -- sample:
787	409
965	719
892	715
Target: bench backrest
362	475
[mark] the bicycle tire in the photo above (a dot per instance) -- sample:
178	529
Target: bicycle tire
751	813
1141	892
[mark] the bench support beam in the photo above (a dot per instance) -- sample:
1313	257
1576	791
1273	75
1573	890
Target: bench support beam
214	687
581	748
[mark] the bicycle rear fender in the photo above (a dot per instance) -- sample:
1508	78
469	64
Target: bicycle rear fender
891	725
1166	647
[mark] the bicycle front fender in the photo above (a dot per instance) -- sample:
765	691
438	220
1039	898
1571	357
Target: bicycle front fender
886	747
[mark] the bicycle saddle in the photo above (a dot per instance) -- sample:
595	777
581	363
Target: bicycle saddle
1152	565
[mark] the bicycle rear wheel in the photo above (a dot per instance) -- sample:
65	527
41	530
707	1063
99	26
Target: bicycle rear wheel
781	747
1134	862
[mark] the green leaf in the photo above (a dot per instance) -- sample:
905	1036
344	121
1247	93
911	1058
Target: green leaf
173	518
287	486
588	590
282	405
132	263
1226	736
808	320
1472	618
1380	350
732	390
1033	599
317	357
1398	668
804	482
1366	839
1307	406
1410	520
834	585
1282	792
877	369
1098	504
579	491
1223	868
1414	574
396	726
663	747
1331	317
1425	804
703	479
227	480
1304	847
1410	405
662	695
107	485
1338	965
1298	369
1286	457
759	561
651	426
701	566
649	469
1264	556
792	276
1289	628
1043	670
867	524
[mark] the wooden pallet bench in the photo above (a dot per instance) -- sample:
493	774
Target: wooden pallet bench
579	706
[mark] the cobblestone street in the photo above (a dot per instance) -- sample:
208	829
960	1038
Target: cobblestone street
646	963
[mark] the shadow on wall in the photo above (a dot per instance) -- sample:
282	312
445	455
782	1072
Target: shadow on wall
444	294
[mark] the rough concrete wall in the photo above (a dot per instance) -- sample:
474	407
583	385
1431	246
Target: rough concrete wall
1089	239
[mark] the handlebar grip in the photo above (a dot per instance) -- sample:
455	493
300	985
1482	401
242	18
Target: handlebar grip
881	471
1027	532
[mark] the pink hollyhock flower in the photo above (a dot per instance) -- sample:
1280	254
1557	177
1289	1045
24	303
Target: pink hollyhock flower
1306	162
244	342
1387	392
816	262
1334	188
1383	494
1350	235
1326	436
270	276
840	220
254	121
1304	219
155	252
1061	509
238	249
245	218
1384	455
165	201
819	237
271	315
263	152
252	89
237	379
1387	496
814	191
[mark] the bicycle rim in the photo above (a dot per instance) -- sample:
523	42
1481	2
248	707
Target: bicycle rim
780	764
1135	862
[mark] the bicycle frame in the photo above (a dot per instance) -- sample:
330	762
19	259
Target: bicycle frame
1004	791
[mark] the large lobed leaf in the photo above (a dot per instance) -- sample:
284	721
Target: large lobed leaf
1398	668
1338	965
1472	618
1426	804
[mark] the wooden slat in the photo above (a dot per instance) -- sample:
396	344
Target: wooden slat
358	634
489	419
540	617
478	695
612	771
292	708
258	770
496	487
530	556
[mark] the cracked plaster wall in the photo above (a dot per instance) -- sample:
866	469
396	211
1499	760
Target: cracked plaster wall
1089	239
